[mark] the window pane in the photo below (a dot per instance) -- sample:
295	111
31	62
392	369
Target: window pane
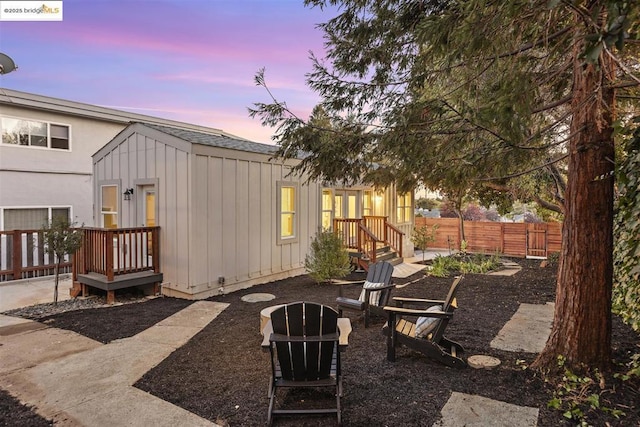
25	219
286	229
109	220
11	131
60	213
60	137
287	199
38	132
109	198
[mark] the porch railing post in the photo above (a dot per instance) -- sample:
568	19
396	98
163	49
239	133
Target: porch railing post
109	255
16	258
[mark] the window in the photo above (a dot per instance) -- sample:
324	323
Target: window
372	203
287	219
109	206
327	209
32	218
404	208
367	203
33	133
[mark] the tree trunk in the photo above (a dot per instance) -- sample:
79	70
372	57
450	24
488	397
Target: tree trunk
582	324
55	285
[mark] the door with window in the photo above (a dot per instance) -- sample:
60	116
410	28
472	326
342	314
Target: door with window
147	212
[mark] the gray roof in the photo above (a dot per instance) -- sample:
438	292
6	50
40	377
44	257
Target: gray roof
16	98
215	139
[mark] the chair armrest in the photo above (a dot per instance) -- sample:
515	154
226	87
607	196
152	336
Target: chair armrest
415	312
418	300
344	326
266	333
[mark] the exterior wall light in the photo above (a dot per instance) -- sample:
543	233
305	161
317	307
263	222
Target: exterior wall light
128	193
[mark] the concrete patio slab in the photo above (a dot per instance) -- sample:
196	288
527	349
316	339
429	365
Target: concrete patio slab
406	270
476	411
27	292
90	384
527	330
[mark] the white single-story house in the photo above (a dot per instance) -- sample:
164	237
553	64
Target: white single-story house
230	216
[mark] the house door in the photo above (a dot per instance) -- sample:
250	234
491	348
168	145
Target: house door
147	212
347	204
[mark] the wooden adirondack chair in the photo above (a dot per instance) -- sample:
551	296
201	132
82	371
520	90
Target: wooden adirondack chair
425	331
376	290
304	340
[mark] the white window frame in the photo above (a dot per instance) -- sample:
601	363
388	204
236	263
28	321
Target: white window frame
48	208
403	211
280	185
48	125
115	213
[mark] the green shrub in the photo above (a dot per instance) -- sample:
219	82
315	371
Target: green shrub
327	258
443	266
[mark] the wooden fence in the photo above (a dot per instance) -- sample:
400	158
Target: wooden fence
23	256
519	239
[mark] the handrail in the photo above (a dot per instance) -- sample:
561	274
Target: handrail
393	237
369	242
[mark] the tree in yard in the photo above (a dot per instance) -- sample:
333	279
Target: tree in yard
470	96
60	239
422	237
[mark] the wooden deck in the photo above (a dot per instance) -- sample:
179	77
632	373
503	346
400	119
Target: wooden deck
113	259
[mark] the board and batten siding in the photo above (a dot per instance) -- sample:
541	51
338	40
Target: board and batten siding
216	209
234	224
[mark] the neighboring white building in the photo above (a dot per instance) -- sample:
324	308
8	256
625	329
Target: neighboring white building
46	146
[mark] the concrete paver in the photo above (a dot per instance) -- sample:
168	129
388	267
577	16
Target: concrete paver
528	329
476	411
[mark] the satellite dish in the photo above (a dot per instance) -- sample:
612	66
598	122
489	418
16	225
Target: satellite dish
6	64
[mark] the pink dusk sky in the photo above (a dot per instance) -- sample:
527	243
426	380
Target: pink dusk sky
187	60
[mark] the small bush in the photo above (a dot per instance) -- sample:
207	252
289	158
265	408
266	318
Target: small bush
327	259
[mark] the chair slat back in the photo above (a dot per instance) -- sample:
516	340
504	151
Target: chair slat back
381	273
305	360
447	307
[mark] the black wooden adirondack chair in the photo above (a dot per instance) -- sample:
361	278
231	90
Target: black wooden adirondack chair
425	331
304	340
376	290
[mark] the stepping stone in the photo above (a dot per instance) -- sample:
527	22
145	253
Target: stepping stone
476	411
258	297
528	329
483	362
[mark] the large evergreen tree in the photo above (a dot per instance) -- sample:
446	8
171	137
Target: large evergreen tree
469	96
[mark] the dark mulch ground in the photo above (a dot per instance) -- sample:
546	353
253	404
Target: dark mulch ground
222	375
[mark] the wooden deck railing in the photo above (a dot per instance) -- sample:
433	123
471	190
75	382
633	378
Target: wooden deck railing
117	251
368	234
23	256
